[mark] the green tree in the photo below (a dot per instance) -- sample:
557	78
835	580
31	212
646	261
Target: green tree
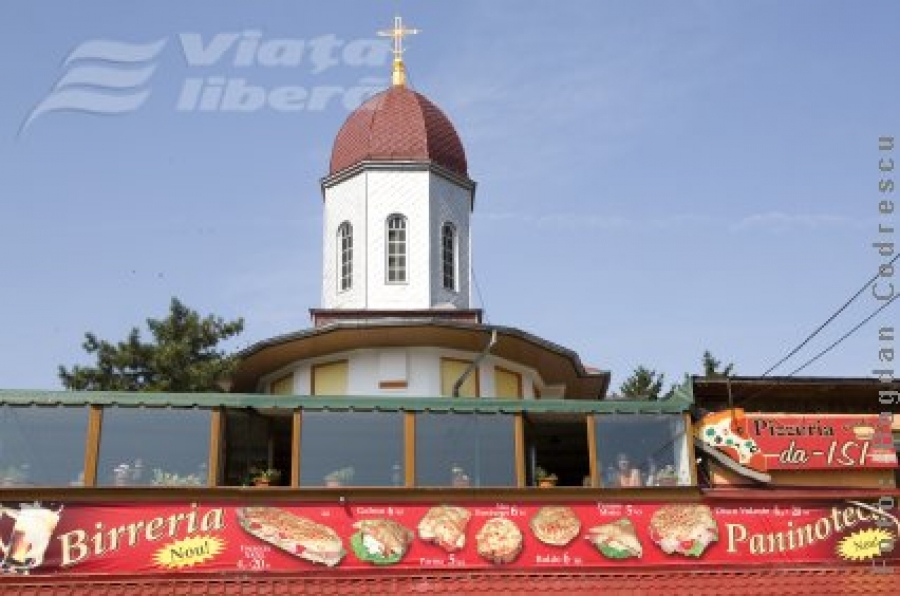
183	356
711	367
644	383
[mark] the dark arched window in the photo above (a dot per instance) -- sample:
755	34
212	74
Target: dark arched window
396	249
345	255
448	256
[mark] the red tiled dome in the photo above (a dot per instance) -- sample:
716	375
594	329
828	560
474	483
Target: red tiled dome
398	125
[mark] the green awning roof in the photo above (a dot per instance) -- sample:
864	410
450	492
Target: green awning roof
676	404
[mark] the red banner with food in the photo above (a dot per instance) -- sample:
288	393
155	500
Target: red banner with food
57	538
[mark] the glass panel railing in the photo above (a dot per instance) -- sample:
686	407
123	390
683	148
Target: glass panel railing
642	450
42	446
154	447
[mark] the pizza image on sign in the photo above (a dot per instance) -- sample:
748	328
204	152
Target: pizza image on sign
556	526
294	534
684	529
726	432
499	540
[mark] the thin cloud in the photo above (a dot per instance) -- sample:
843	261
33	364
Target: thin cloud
598	222
778	221
773	221
682	221
557	220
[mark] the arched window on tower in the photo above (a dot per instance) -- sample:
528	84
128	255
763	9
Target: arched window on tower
345	255
448	256
396	249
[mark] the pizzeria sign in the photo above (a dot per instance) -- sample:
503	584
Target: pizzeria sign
819	442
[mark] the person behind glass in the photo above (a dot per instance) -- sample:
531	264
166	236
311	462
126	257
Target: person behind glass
626	474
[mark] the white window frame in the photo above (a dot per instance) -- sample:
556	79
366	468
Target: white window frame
396	249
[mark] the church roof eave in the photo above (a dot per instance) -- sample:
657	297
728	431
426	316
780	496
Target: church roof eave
555	363
398	164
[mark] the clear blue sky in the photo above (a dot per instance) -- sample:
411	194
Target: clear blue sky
654	178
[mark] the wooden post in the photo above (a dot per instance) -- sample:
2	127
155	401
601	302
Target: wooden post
92	444
592	449
296	432
216	428
519	429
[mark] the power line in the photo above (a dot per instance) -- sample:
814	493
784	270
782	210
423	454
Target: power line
831	318
845	336
833	345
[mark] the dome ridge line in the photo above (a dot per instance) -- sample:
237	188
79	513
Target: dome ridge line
398	124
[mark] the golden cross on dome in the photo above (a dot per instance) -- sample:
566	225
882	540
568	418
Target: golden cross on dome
398	76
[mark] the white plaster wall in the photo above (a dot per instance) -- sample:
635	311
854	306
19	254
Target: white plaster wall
450	203
344	202
363	373
424	372
405	193
366	200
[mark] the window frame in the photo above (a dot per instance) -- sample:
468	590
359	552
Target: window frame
396	249
468	468
394	468
449	251
100	464
681	450
345	256
520	382
16	469
281	382
325	364
474	375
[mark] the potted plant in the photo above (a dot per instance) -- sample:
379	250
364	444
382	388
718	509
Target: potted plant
544	478
163	478
265	476
123	474
14	475
128	473
459	477
667	476
340	477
